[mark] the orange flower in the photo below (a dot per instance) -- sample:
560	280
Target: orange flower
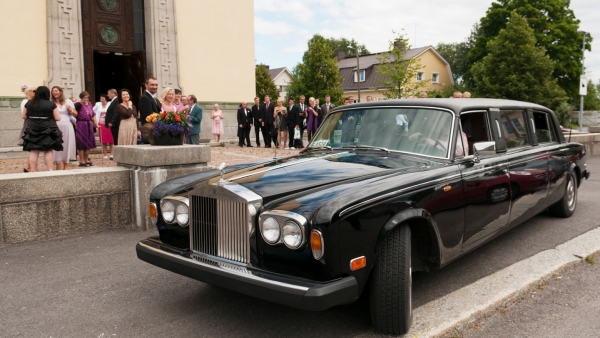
177	118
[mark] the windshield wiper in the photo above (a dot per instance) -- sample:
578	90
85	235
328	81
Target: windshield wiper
362	146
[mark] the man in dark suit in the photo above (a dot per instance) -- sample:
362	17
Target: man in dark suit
149	102
300	113
292	123
326	108
112	119
267	110
244	118
257	119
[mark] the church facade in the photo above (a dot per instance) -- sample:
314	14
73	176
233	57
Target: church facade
203	47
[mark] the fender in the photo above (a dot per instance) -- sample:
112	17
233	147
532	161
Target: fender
412	214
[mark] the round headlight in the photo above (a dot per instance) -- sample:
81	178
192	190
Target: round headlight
292	235
182	215
168	212
270	230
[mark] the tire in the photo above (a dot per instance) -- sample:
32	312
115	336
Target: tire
567	204
391	284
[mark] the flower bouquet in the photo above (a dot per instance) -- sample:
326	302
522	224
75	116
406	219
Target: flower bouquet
167	128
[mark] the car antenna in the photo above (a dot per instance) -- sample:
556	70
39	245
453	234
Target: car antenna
570	132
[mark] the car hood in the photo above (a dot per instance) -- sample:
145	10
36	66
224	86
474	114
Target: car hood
306	171
276	178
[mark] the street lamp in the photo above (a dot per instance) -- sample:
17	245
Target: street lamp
582	72
357	69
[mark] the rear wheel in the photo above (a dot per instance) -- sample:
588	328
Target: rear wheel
566	206
391	284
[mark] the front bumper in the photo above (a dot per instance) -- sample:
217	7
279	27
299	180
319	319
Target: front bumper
296	293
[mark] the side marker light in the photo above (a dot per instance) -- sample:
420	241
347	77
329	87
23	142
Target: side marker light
358	263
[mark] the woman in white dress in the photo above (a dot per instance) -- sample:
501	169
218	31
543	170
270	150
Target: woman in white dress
29	94
217	123
66	108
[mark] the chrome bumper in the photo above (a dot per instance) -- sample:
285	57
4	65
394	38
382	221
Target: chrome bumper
301	294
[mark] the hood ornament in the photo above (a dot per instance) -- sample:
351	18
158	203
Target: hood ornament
222	167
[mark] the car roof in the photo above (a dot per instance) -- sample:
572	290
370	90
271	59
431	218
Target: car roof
456	105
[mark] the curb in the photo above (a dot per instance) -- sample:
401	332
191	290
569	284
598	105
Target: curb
459	310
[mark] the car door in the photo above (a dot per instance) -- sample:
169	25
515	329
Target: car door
528	165
486	181
547	134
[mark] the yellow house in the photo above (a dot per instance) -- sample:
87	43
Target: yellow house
436	70
96	45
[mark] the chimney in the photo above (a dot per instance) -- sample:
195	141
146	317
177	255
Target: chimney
399	44
266	67
340	54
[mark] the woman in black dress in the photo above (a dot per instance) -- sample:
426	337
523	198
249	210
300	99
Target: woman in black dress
41	133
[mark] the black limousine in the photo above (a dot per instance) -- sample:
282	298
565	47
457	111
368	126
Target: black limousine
382	190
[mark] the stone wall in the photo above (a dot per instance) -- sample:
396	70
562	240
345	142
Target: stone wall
591	142
10	127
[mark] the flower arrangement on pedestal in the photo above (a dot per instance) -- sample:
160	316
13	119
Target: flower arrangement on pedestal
167	128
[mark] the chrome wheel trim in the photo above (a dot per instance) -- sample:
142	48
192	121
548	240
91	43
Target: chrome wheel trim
571	194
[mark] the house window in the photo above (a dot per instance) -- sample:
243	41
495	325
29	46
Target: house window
435	78
362	76
283	89
420	76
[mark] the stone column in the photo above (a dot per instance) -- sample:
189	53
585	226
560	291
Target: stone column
152	165
161	42
65	46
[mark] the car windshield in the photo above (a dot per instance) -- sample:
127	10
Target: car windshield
422	131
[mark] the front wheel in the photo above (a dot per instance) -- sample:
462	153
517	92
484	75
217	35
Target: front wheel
566	206
391	284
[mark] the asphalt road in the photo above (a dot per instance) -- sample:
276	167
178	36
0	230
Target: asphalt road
94	285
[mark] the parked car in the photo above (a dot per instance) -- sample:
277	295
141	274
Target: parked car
384	189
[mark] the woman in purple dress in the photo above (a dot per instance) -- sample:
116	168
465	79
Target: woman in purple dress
312	120
84	133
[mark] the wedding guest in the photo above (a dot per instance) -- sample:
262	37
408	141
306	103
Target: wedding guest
346	101
105	134
300	113
351	99
177	99
257	119
29	94
466	95
292	123
73	99
423	95
84	134
41	133
266	114
327	107
312	120
167	96
369	98
217	123
244	125
112	120
280	123
128	129
457	95
149	103
67	112
195	118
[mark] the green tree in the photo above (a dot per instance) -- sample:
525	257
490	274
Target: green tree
264	83
318	74
348	46
555	28
592	100
457	54
397	75
515	68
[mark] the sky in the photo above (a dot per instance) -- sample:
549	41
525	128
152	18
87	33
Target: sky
283	28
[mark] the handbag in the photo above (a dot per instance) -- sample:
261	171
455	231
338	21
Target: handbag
296	133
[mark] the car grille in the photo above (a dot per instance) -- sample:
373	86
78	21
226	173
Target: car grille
220	228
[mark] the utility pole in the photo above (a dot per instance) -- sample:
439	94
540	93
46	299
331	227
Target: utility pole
581	81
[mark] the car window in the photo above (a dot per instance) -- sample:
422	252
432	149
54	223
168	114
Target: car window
513	128
543	127
424	131
475	127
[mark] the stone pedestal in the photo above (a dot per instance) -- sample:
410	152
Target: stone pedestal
152	165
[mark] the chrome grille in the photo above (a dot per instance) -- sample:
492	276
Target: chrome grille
220	228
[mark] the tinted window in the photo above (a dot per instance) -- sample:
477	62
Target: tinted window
415	130
513	128
543	127
475	127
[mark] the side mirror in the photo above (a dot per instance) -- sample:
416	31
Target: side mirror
483	148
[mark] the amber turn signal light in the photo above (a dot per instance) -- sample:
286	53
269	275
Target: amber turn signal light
153	212
358	263
317	244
